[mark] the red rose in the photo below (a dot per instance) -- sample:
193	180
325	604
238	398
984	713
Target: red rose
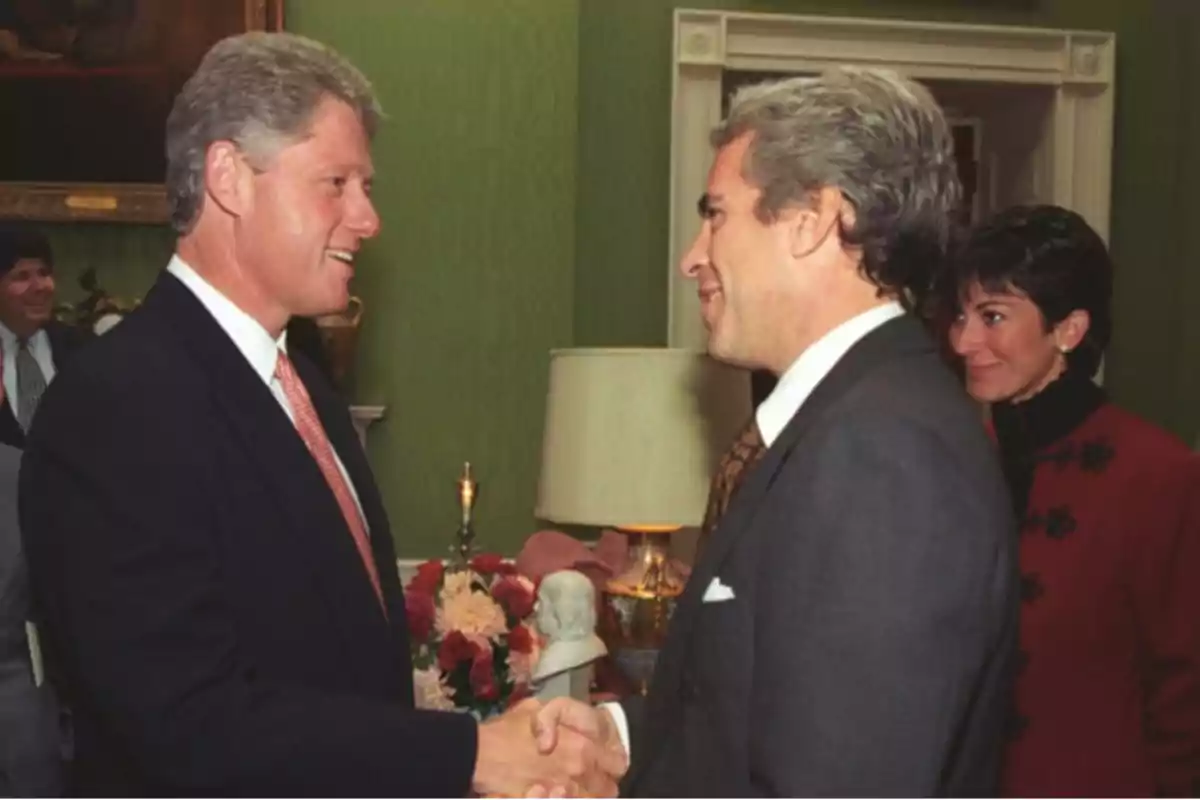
514	597
519	693
483	676
487	563
428	577
421	613
455	649
520	640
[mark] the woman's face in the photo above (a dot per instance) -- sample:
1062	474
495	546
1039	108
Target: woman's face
1008	352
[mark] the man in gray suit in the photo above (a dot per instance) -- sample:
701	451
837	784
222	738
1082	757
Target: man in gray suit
850	627
30	755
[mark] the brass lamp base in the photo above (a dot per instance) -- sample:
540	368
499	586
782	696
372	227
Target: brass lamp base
638	605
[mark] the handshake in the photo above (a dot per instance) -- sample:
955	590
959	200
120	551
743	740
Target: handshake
564	748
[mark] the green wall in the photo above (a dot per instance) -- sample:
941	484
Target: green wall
470	283
624	161
523	188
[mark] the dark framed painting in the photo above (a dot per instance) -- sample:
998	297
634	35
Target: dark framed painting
85	89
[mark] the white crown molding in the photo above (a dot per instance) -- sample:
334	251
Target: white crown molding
1076	151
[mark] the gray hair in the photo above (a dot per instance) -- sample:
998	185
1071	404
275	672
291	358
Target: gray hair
879	138
258	90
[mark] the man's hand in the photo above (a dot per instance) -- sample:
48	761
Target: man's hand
563	717
512	762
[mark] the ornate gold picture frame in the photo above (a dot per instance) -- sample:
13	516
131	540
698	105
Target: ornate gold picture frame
85	88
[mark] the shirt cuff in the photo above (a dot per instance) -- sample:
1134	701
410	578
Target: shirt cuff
622	724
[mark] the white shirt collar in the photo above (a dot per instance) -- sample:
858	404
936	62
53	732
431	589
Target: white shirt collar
802	377
9	339
250	337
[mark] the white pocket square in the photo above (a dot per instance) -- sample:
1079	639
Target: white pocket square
717	592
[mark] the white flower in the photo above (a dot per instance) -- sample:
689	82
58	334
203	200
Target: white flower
430	690
472	614
456	583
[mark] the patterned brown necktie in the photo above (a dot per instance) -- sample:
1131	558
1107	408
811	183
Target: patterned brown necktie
745	451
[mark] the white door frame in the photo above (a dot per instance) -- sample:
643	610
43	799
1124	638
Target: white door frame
1075	154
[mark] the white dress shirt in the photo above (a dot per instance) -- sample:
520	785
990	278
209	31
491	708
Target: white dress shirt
798	382
254	343
39	345
793	388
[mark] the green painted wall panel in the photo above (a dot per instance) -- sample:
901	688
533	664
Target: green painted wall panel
624	158
470	284
523	187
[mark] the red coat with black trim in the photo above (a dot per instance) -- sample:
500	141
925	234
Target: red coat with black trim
1107	697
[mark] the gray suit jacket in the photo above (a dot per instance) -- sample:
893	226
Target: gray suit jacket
869	644
30	754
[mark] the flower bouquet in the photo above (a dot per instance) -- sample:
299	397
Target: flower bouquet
473	645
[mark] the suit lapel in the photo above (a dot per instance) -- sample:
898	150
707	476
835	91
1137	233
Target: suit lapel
334	418
60	347
65	341
10	430
880	346
316	530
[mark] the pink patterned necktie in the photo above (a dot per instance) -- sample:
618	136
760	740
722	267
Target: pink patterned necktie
313	434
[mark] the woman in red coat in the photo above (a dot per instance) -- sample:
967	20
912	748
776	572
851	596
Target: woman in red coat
1107	698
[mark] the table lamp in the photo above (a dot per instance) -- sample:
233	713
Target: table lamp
632	438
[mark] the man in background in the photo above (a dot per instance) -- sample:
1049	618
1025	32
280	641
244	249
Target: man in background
33	345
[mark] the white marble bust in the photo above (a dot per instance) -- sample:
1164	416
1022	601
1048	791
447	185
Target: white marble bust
566	616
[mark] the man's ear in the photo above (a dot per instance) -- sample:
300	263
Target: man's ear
228	178
814	224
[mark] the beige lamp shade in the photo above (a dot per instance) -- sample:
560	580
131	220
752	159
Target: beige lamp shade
633	435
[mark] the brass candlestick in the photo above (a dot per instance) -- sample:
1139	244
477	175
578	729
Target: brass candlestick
468	493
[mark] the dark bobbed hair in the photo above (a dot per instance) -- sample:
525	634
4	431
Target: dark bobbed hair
1052	256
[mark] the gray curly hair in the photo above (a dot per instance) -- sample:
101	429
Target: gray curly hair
258	90
879	138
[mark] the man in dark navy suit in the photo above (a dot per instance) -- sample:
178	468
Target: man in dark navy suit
206	542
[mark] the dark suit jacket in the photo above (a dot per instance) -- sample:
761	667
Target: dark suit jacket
204	603
65	341
30	745
869	645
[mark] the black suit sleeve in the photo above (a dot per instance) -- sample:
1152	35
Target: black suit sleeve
875	611
634	707
125	561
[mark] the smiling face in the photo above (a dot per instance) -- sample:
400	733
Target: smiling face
27	296
1008	350
742	267
309	210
